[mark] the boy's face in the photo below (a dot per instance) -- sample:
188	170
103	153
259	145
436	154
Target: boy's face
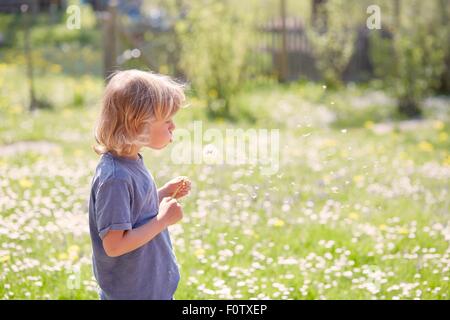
160	133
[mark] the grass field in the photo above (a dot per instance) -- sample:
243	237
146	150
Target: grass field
359	208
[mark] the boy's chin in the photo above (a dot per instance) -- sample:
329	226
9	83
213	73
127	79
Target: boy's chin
160	147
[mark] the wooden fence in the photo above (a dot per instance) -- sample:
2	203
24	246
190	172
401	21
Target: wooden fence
299	54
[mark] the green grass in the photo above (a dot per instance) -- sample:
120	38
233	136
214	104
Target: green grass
351	214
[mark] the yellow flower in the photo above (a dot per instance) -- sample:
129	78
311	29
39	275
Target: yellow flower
278	223
57	151
403	231
74	248
443	136
25	183
425	146
63	256
329	143
358	178
354	216
403	155
199	252
447	161
164	69
55	68
73	252
67	113
368	124
78	153
16	109
213	93
5	258
438	125
383	227
344	154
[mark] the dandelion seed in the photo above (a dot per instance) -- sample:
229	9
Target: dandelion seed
348	274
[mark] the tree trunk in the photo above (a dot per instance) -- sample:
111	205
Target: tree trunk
109	41
445	77
397	14
29	59
409	108
319	15
283	72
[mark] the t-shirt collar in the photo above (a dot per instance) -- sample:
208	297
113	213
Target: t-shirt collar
128	160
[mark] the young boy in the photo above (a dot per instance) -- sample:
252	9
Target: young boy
128	215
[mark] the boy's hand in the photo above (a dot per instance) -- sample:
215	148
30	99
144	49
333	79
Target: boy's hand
170	211
177	187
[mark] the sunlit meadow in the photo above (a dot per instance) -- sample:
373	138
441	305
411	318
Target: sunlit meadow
358	210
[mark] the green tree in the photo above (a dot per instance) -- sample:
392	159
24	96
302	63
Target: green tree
215	38
412	60
332	36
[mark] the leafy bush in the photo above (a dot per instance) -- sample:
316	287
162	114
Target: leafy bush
215	37
412	60
332	38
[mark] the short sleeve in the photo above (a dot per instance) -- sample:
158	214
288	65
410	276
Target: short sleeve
113	207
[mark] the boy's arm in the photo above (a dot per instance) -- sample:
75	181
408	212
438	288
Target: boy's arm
162	193
119	242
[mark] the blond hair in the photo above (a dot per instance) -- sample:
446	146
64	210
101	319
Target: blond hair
132	99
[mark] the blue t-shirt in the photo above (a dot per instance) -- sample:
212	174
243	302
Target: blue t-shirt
123	197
